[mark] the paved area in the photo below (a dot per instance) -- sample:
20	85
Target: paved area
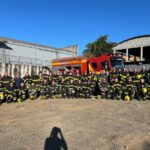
75	125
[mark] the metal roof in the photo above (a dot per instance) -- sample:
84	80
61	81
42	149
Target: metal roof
135	42
6	39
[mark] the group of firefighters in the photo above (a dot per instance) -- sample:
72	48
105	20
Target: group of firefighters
126	84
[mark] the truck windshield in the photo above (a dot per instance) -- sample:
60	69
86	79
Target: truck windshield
116	62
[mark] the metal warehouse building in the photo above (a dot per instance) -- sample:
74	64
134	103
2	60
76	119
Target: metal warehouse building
134	49
20	56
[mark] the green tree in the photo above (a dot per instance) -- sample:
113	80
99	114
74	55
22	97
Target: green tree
99	47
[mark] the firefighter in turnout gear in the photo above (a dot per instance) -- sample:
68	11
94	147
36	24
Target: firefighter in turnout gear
71	89
104	88
44	89
27	80
35	78
11	93
142	90
63	88
129	90
87	89
116	89
1	92
22	93
6	79
136	77
123	75
53	90
33	91
78	89
44	76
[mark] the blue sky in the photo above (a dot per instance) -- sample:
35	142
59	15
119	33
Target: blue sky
60	23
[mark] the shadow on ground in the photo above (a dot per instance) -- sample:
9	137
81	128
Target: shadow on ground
146	146
56	140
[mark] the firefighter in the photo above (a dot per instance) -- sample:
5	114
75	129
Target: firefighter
53	90
124	74
129	90
87	90
1	92
71	89
45	76
78	89
33	91
104	88
116	89
143	72
22	93
147	77
136	77
63	88
142	90
50	77
93	82
35	78
27	80
11	93
18	80
6	79
112	75
44	89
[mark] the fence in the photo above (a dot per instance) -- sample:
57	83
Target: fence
11	59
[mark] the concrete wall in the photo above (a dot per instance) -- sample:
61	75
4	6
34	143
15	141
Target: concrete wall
36	52
25	58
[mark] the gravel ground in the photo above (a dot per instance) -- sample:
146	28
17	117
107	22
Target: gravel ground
75	125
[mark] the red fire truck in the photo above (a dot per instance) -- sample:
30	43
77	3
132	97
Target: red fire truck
84	64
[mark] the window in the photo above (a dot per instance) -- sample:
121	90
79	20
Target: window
116	62
94	65
105	65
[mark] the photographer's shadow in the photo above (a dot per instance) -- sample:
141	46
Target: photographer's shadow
55	141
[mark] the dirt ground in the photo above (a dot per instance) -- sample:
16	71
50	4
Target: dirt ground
75	125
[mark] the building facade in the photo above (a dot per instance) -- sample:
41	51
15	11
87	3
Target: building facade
134	49
19	56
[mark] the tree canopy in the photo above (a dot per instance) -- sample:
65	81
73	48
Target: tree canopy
99	47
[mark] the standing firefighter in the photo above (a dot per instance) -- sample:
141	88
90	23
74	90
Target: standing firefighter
124	74
27	80
6	79
79	89
53	90
116	89
71	89
129	90
87	89
104	88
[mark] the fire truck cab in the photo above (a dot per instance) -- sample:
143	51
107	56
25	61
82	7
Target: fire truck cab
84	64
105	62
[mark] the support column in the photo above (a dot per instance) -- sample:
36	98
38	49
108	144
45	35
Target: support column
25	69
8	69
127	54
37	70
30	67
3	68
12	70
114	51
22	71
141	54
